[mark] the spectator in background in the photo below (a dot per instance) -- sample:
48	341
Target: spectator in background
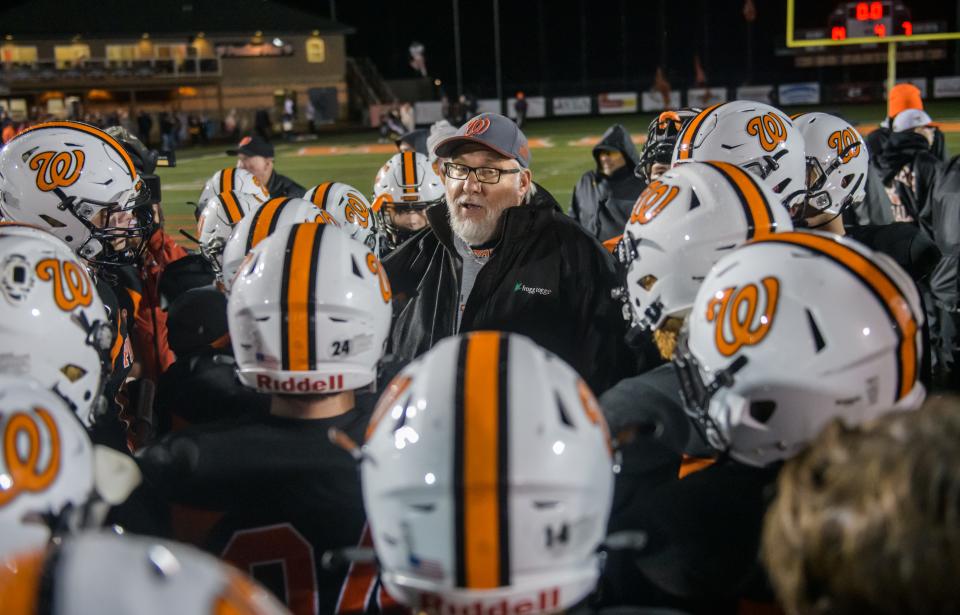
256	155
261	124
407	117
865	520
144	125
289	115
168	131
903	96
311	114
438	132
603	197
520	107
231	126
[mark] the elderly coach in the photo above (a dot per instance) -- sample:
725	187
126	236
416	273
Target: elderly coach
495	257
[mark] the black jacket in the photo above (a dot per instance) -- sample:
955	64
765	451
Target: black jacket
602	204
281	185
547	280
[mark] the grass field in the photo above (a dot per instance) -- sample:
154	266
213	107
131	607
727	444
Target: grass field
557	166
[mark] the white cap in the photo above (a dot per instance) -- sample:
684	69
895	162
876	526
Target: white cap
438	132
908	119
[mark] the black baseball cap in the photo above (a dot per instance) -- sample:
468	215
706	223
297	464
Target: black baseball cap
252	145
493	131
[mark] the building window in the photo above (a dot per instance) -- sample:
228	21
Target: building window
19	54
122	54
316	49
67	56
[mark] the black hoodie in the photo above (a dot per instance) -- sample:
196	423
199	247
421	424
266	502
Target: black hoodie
602	204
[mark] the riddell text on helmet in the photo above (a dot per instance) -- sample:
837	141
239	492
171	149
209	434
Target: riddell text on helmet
546	601
300	385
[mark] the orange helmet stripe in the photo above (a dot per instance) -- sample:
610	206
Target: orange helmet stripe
227	179
320	194
760	220
883	288
297	298
690	132
94	132
230	206
265	221
482	546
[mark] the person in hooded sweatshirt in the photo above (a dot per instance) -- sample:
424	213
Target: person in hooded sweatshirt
603	198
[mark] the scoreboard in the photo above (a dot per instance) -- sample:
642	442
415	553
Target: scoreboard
864	19
872	22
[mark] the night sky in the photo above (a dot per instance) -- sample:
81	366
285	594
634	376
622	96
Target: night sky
542	51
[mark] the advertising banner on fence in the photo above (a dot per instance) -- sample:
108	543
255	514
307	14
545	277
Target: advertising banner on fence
799	93
571	105
536	107
758	93
704	97
617	102
653	101
946	87
427	112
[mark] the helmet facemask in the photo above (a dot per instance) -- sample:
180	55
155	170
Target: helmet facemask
118	230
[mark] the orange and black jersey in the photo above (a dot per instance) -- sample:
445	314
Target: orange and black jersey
276	496
121	301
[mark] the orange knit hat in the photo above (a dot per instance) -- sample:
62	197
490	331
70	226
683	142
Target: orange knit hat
903	96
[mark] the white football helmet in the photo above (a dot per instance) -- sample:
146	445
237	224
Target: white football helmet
52	479
349	210
406	181
79	183
53	326
683	223
219	216
258	224
109	574
837	162
233	179
792	331
309	312
487	479
751	135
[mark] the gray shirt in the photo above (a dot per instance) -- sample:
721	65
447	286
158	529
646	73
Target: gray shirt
472	264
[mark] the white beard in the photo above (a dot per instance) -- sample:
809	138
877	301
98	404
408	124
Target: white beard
474	232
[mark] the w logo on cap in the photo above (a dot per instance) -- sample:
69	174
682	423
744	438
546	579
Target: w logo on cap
245	141
477	126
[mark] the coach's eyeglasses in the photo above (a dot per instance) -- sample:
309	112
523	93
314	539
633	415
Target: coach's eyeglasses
484	175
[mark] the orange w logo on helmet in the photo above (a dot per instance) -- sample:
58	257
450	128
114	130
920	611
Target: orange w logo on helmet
72	287
734	312
845	143
57	170
356	212
652	201
769	129
22	464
